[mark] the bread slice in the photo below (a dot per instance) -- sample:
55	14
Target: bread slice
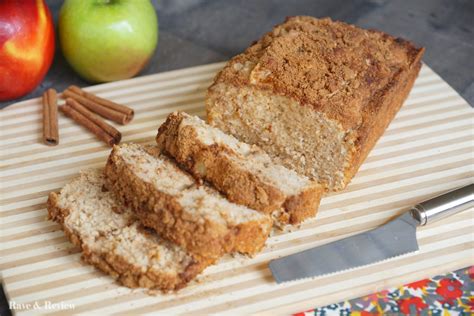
315	94
167	199
244	174
112	239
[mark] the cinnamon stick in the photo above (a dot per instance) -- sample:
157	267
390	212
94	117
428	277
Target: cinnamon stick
95	107
107	103
109	129
50	118
87	123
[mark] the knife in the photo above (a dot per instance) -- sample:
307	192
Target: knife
396	238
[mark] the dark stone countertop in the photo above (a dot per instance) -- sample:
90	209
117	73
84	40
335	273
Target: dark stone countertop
195	32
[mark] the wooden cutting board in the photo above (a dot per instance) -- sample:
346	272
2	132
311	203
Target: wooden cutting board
427	150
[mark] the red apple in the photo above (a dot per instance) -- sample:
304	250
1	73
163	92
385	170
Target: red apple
26	46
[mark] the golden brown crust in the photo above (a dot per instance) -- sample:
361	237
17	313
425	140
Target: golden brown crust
304	205
117	266
388	101
165	214
334	67
355	77
239	184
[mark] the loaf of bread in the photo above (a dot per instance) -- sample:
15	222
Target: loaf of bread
193	216
112	239
315	94
244	174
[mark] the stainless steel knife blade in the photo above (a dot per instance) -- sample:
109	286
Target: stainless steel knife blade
395	238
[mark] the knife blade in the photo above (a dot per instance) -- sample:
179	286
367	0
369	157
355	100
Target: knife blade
394	239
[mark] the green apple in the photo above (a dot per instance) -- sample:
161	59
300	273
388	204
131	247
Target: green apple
108	40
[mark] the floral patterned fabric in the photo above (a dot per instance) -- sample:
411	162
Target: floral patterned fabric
445	295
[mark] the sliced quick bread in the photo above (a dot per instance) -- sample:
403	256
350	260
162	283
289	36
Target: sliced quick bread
167	199
112	238
244	173
315	94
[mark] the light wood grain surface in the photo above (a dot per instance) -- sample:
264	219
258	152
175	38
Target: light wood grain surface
428	149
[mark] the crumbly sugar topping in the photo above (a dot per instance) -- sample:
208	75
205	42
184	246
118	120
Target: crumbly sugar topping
332	66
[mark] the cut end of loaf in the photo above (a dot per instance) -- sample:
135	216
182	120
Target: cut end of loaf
316	94
295	136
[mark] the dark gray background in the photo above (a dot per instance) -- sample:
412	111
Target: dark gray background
194	32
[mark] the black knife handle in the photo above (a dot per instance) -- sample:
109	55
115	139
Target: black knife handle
444	205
